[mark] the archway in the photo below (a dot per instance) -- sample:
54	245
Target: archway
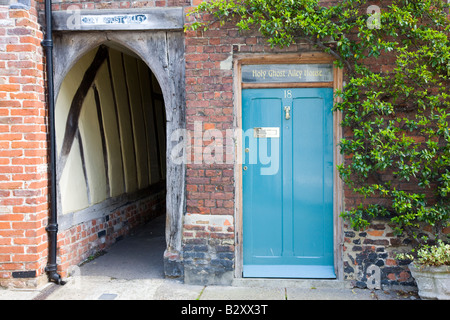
158	53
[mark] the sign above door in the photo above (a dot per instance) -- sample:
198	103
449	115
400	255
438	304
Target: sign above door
76	19
287	73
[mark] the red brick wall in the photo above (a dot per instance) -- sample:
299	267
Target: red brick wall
23	153
117	4
210	101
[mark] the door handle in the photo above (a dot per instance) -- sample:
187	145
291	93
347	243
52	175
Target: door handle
287	112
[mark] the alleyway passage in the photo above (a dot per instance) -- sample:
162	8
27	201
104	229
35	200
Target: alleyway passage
138	256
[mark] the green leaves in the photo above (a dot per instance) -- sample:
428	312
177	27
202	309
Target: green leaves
395	103
437	255
400	121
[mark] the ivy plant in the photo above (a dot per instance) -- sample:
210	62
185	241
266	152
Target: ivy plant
395	101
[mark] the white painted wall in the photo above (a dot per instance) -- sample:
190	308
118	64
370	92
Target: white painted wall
129	130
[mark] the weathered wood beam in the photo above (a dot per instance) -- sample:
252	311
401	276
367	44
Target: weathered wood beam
76	105
113	89
83	165
74	19
103	138
132	121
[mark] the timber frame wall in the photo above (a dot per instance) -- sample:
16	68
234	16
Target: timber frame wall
163	53
114	178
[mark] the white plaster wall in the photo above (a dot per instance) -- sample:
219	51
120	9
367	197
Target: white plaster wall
115	166
92	143
129	130
68	88
120	86
132	78
72	185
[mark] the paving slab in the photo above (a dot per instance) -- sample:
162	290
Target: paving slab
291	283
242	293
347	294
326	294
105	288
176	290
18	294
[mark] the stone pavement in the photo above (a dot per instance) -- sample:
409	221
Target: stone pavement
107	288
132	269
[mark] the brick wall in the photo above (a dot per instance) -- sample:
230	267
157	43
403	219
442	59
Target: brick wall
23	162
209	242
209	188
117	4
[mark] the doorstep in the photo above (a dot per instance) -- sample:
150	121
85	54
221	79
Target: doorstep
292	283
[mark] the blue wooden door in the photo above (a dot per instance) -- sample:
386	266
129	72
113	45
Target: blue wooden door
288	183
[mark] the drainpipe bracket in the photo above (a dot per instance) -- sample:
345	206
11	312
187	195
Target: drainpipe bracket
48	43
51	268
52	227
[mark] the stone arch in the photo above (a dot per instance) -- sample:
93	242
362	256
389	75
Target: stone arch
163	52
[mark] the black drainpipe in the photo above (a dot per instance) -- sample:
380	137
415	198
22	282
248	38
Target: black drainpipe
52	226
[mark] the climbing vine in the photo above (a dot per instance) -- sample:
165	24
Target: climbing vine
395	101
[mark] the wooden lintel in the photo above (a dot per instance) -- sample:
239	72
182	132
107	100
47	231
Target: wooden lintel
306	58
288	85
74	19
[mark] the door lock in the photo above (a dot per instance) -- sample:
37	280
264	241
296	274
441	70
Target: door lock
287	112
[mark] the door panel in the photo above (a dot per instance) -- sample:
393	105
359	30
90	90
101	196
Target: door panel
312	178
265	237
288	183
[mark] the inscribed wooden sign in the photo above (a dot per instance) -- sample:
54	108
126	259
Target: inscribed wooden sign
280	73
